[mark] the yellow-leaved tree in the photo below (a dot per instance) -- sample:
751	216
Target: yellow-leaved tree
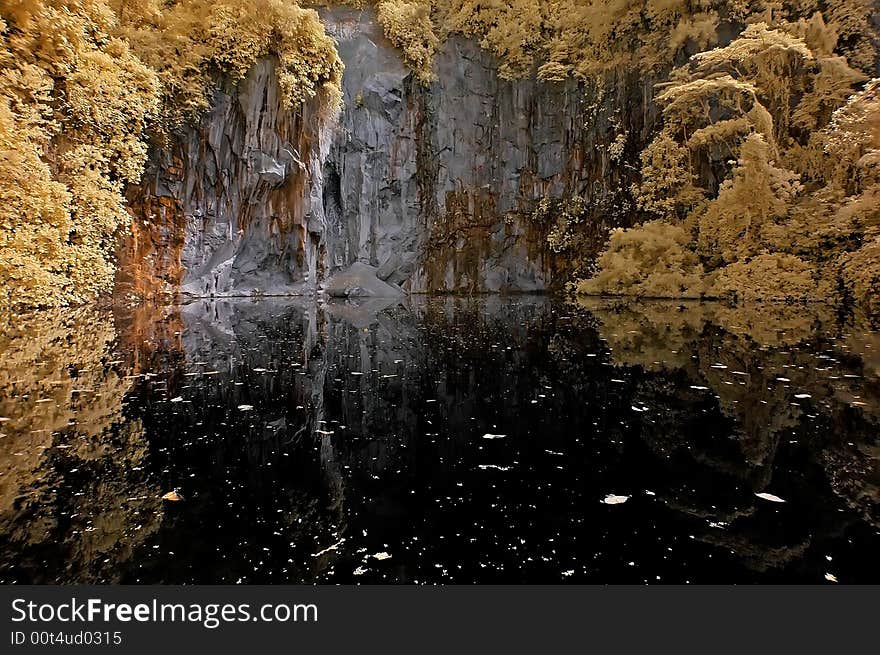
74	102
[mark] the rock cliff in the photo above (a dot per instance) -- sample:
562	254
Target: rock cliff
436	186
232	206
414	188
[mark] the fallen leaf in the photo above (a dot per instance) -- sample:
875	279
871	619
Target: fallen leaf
172	496
770	497
329	548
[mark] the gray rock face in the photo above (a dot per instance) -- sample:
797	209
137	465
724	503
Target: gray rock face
237	213
433	188
436	186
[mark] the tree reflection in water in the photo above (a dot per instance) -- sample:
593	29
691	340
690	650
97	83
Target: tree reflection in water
307	438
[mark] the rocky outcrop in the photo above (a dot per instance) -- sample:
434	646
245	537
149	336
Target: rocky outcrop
436	186
229	207
422	189
360	280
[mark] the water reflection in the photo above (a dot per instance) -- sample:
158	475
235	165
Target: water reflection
75	500
439	440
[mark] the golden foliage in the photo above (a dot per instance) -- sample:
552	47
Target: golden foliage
652	260
769	168
736	170
861	275
771	276
568	37
408	26
668	188
853	141
74	103
560	38
565	216
192	42
758	193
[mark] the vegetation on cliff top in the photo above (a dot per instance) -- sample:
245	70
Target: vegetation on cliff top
190	43
82	82
562	38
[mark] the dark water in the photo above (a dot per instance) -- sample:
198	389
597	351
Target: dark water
439	441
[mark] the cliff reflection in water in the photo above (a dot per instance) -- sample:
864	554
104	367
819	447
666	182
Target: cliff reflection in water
439	440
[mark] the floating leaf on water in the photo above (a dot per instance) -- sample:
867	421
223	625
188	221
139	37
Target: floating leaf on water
611	499
770	497
329	548
172	496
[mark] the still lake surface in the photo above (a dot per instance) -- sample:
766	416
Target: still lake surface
490	440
